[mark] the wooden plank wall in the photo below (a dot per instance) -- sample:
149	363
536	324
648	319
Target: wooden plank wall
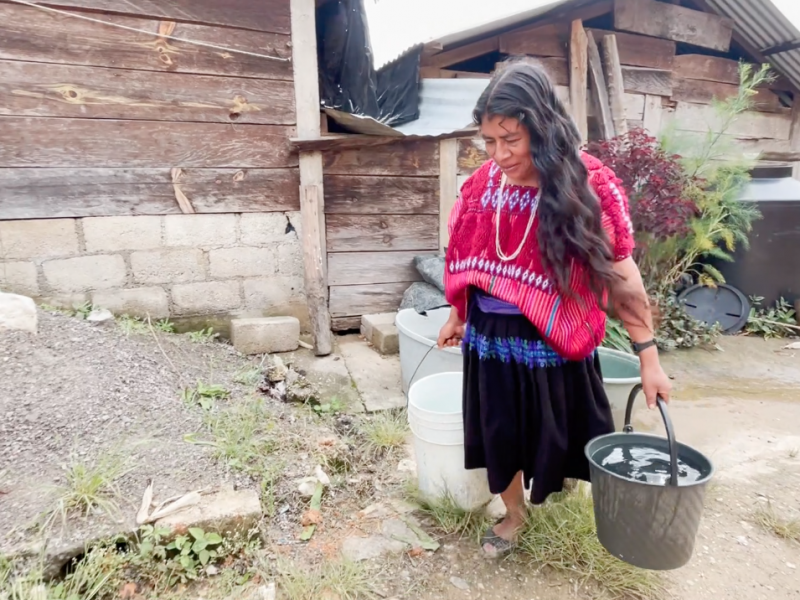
381	209
104	115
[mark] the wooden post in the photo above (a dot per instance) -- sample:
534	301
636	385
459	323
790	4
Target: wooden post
794	136
600	91
312	199
653	114
448	186
616	84
578	78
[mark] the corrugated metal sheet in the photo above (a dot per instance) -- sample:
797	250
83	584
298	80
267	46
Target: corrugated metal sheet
445	107
764	26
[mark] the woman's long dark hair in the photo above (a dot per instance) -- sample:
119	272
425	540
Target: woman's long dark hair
570	219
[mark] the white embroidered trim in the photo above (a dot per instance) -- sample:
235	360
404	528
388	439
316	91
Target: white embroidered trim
622	207
524	276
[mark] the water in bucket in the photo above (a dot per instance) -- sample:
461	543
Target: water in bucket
644	463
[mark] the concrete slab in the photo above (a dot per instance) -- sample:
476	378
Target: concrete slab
377	377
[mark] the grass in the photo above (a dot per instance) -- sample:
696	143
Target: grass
450	518
90	487
132	326
164	326
248	376
343	580
386	430
203	336
204	394
769	520
561	535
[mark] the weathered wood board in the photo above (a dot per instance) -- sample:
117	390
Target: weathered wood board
579	77
363	268
261	15
81	192
368	233
47	90
340	324
371	195
37	36
420	158
641	51
471	155
547	41
672	22
462	53
355	300
704	92
707	68
37	142
751	125
640	80
633	106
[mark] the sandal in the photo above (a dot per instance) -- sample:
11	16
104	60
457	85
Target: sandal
502	547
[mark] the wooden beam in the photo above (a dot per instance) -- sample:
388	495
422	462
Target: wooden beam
675	23
363	268
382	195
536	40
639	80
409	159
653	115
462	53
794	135
355	141
641	51
448	187
436	73
312	199
578	80
705	92
616	85
790	156
707	68
600	91
375	233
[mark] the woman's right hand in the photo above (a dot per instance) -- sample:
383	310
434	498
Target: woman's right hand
451	333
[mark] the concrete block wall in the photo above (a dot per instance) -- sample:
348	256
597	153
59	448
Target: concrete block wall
248	264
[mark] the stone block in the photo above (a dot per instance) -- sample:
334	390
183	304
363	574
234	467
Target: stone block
85	273
46	238
227	512
265	335
112	234
206	298
168	266
241	262
200	231
261	229
290	259
18	313
136	302
19	278
380	331
273	292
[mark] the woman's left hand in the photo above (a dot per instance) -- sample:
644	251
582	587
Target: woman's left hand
655	382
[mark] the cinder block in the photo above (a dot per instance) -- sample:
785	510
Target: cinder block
206	298
136	302
84	273
19	278
265	335
45	238
290	259
380	331
200	231
241	262
112	234
269	292
259	229
168	266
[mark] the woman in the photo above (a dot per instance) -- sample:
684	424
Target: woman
540	241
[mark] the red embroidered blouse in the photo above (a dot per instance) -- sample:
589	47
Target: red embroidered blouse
572	328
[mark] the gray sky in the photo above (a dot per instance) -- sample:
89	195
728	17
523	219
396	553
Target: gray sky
396	25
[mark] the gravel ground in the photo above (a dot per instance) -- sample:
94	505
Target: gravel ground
83	390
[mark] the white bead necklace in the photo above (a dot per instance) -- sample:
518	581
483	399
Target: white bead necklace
500	254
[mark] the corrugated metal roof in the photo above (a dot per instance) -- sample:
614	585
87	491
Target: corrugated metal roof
763	26
445	107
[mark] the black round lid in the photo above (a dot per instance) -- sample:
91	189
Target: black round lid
724	305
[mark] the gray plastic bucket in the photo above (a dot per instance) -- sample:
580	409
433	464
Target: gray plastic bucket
648	525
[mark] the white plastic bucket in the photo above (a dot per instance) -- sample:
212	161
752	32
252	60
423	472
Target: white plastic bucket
435	419
419	356
620	374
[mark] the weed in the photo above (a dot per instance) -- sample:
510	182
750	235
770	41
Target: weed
84	310
451	518
165	326
55	309
203	336
342	579
204	395
617	337
249	376
562	535
769	520
386	431
773	322
132	326
328	408
89	487
180	560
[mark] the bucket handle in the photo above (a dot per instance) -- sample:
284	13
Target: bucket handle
673	444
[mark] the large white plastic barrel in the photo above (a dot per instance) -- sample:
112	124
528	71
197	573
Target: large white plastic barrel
620	374
435	419
418	355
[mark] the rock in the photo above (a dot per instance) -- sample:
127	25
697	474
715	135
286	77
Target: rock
742	540
225	512
100	316
18	312
459	583
212	571
422	297
431	268
276	370
358	549
265	335
322	476
307	486
298	389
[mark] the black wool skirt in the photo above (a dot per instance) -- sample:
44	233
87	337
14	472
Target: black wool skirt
525	407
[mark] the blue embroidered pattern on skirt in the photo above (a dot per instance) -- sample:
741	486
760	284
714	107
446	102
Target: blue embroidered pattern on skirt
531	353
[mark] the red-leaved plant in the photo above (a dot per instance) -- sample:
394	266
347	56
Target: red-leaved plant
654	181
